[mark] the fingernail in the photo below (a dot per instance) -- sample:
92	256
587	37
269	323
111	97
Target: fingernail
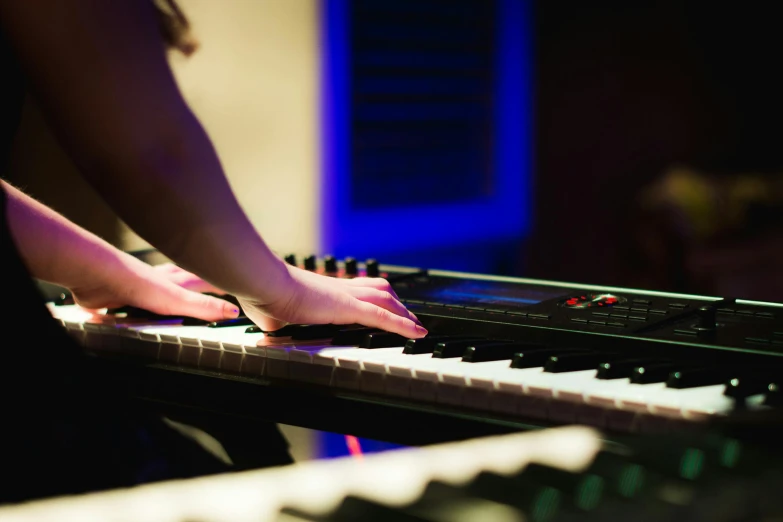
420	329
231	311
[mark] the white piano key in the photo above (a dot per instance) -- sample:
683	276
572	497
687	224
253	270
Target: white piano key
699	403
374	367
428	374
653	398
303	367
481	386
210	357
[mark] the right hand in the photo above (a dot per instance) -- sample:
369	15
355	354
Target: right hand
310	298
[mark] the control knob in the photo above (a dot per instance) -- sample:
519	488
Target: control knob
290	259
309	263
371	266
330	265
351	267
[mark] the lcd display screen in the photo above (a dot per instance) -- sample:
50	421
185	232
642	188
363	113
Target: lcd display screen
491	294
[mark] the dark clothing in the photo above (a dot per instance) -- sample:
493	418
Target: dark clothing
64	430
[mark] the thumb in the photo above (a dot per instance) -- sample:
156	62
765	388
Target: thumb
182	302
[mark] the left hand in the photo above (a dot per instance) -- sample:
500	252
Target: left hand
164	289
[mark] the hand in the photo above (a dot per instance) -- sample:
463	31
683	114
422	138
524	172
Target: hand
185	279
310	298
164	289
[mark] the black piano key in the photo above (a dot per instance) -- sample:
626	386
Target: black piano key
64	299
495	352
382	340
285	331
513	491
132	312
746	386
696	377
652	373
352	336
226	297
624	479
772	396
309	332
621	368
538	490
193	321
574	362
357	509
449	349
537	357
428	344
237	321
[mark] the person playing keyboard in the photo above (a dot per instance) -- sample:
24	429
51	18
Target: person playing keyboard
100	73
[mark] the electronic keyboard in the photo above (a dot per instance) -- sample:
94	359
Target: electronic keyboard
502	354
554	475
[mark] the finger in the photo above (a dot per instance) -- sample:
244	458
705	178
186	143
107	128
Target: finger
178	301
385	300
266	323
186	279
167	268
377	317
372	282
196	284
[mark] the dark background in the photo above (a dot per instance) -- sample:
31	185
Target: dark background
628	90
624	94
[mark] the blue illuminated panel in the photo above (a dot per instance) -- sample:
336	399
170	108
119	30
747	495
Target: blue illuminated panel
488	196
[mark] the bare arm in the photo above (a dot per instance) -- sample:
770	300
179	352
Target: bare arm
100	71
100	276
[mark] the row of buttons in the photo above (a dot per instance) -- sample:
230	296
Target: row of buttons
647	302
621	316
777	338
614	324
747	313
640	310
515	313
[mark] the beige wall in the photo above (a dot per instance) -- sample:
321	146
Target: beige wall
254	85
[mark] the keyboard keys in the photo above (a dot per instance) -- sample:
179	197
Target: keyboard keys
309	332
494	352
382	340
744	387
352	335
448	349
237	321
620	368
652	373
773	396
694	377
575	361
536	357
428	344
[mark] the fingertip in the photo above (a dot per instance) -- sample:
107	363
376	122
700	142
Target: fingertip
230	310
420	330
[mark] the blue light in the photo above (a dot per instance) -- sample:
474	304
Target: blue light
505	215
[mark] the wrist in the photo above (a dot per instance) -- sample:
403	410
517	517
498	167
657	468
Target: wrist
105	266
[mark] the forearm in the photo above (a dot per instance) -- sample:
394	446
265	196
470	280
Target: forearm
54	249
111	98
171	190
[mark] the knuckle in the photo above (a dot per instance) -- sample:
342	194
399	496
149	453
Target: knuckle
381	314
